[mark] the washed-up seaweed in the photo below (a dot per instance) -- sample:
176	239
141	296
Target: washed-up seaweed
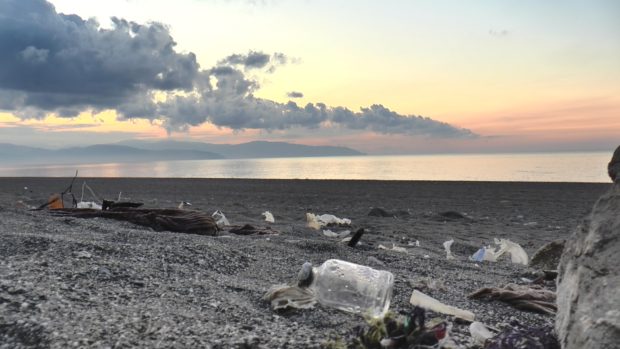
183	221
532	298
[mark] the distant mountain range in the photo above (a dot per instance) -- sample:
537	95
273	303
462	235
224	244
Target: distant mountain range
138	150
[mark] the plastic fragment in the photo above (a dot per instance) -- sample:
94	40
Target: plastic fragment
268	217
316	222
479	333
447	246
517	253
394	248
220	219
89	204
331	234
427	302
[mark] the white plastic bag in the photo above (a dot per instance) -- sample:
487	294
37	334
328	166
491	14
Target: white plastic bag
89	204
427	302
316	222
220	219
331	234
479	333
447	246
268	217
517	253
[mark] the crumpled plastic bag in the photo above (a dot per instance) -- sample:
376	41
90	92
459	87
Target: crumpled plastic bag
480	333
447	246
220	219
517	253
89	204
331	234
317	222
394	248
268	217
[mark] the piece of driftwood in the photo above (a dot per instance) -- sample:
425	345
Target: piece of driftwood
250	230
532	298
112	205
183	221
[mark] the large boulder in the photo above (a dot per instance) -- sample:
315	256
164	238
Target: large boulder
548	256
588	294
613	168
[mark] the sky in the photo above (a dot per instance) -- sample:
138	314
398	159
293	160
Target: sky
383	77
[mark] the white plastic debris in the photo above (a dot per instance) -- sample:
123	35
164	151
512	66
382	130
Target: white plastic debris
479	332
89	204
317	222
220	219
268	217
393	248
416	243
447	246
331	234
183	204
427	302
517	253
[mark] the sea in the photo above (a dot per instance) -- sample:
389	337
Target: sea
538	167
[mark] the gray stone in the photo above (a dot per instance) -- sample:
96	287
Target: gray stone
548	256
588	295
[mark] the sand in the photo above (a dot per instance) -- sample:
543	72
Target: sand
69	282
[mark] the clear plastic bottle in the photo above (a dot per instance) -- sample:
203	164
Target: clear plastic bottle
350	287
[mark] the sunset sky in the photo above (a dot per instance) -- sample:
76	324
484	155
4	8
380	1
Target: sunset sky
383	77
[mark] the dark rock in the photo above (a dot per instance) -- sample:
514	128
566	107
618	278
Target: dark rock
613	168
588	294
379	212
548	256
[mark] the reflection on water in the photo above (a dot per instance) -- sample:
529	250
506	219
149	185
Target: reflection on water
556	167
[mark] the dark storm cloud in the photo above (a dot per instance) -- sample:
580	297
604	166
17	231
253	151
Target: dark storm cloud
295	94
51	62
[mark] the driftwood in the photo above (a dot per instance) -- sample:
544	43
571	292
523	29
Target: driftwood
183	221
251	230
532	298
112	205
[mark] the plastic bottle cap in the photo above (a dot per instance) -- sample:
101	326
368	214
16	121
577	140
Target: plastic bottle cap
304	278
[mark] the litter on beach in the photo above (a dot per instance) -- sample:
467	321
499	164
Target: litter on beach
517	253
220	218
446	246
331	234
427	302
268	217
479	333
317	222
393	248
89	204
337	284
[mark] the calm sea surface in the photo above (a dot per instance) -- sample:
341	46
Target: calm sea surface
551	167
